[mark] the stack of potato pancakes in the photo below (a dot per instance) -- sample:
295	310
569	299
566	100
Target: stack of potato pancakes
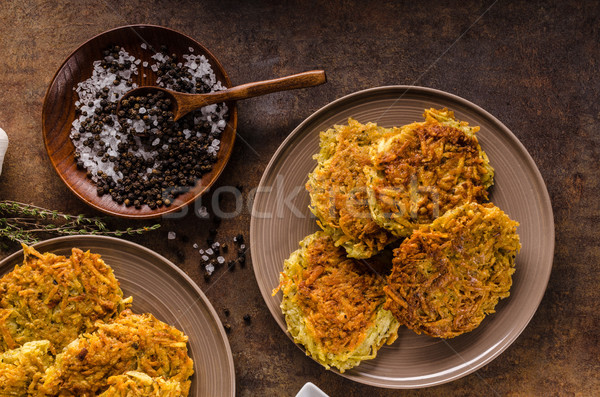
66	330
408	238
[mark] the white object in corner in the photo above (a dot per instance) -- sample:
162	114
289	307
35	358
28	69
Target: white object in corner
3	147
310	390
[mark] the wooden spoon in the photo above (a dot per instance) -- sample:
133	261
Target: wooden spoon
183	103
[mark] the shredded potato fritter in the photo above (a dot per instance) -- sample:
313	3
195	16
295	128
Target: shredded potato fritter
338	192
333	305
54	298
66	331
449	275
132	342
424	170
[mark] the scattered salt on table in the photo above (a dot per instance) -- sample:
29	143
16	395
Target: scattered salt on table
210	268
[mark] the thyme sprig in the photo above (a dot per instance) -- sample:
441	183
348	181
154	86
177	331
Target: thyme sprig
26	223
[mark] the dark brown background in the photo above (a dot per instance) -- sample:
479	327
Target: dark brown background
534	67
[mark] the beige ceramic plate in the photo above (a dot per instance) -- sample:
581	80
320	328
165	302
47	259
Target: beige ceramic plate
281	219
161	288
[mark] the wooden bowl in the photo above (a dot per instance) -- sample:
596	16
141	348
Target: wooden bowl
59	112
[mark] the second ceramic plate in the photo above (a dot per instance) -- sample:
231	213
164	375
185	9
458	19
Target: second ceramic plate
161	288
281	218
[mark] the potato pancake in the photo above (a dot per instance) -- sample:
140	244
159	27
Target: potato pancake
333	305
139	384
449	275
425	169
54	298
337	188
132	342
21	368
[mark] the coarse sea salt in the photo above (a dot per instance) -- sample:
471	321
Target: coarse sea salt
202	212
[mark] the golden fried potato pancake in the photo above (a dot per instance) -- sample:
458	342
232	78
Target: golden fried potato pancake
333	305
132	342
449	275
337	188
20	368
54	298
139	384
425	169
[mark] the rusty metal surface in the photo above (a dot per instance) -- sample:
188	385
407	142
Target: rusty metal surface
534	67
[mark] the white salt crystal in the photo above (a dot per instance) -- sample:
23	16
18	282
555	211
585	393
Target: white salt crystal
195	246
201	252
209	251
144	46
220	259
171	236
202	212
210	268
142	110
204	257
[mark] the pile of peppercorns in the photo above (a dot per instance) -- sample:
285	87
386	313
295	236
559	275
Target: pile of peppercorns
182	158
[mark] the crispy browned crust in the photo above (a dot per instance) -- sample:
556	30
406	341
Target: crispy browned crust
131	342
338	192
425	170
449	275
333	284
55	298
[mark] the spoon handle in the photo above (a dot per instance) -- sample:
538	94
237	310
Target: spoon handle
300	80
